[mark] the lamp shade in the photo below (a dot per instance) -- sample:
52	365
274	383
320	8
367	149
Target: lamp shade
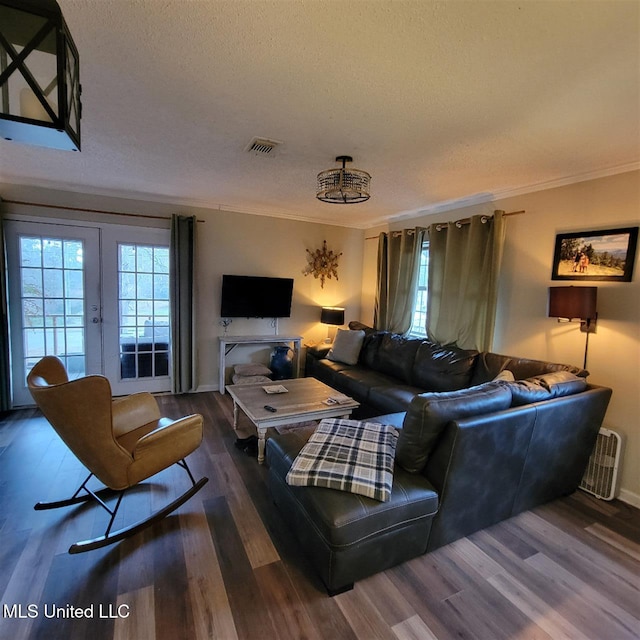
573	302
332	315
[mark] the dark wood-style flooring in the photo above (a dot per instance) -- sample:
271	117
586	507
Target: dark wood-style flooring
226	566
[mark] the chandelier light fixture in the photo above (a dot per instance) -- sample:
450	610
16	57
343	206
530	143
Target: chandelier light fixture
342	185
39	76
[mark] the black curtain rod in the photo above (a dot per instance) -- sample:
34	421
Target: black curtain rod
458	222
84	210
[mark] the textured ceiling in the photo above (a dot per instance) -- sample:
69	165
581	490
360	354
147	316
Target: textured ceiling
439	101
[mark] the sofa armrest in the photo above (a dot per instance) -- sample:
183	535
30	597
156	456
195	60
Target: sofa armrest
562	441
177	437
476	468
170	442
395	419
319	351
491	467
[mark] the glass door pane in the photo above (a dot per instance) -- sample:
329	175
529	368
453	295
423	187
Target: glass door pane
52	279
54	293
143	303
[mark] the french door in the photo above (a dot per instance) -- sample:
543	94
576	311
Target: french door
136	309
98	298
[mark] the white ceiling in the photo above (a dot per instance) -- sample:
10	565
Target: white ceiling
439	101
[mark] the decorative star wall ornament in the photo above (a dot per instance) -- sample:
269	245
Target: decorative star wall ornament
323	263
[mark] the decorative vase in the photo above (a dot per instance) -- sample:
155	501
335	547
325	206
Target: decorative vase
281	363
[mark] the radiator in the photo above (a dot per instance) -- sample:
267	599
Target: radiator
601	475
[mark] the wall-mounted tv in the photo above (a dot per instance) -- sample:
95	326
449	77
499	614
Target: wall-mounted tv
256	297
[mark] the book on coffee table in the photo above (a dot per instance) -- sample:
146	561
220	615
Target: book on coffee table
276	389
338	398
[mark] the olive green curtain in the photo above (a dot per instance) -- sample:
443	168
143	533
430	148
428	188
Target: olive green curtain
464	265
5	371
398	263
183	335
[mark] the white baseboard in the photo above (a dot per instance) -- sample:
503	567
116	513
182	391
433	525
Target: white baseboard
630	498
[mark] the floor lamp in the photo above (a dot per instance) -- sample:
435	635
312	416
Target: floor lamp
575	303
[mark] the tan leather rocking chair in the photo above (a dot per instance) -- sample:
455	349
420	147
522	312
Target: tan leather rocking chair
121	441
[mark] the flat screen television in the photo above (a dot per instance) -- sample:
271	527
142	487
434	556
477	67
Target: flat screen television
256	297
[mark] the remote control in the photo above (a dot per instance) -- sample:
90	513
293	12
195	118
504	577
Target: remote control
268	407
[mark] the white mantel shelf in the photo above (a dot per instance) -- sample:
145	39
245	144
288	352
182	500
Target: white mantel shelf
228	343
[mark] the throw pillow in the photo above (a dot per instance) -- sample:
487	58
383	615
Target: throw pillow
244	380
251	369
545	387
489	365
348	455
527	391
563	383
429	414
346	347
505	376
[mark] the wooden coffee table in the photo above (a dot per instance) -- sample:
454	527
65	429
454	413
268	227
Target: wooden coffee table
303	401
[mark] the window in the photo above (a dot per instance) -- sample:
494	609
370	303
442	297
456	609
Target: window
53	305
143	276
419	320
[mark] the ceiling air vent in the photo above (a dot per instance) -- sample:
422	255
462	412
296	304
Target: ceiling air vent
263	147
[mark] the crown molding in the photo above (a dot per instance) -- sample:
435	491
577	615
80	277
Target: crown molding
175	201
438	207
483	198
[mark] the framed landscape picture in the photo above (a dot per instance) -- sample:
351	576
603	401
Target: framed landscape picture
595	255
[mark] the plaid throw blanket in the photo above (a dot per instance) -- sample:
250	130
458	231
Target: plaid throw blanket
348	455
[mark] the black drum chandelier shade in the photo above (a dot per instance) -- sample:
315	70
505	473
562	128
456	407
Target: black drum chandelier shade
342	185
39	76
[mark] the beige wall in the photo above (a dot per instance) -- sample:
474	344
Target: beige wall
523	328
248	244
234	243
242	244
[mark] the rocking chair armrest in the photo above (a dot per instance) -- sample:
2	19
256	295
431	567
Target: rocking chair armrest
132	412
177	437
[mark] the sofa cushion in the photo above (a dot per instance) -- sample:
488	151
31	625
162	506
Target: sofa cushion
392	398
489	365
347	455
442	367
396	355
346	346
370	346
357	381
545	387
345	519
394	419
429	413
325	371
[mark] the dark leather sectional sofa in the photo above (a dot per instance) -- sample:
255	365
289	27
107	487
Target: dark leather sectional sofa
472	451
